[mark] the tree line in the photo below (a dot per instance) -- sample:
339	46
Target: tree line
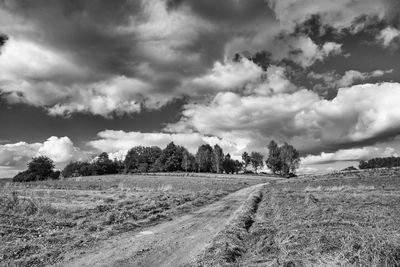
173	158
387	162
283	160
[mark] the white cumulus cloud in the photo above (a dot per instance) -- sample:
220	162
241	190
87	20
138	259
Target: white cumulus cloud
358	114
227	76
354	154
387	35
60	149
332	80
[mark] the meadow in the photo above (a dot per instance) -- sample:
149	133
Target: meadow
337	219
342	219
41	221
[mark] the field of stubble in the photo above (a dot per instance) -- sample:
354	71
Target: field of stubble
332	220
41	221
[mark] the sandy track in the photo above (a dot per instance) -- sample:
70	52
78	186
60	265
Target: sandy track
172	243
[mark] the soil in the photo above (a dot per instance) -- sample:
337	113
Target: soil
172	243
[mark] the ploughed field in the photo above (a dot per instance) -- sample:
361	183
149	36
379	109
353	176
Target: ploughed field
42	221
332	220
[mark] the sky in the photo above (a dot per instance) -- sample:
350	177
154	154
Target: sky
81	77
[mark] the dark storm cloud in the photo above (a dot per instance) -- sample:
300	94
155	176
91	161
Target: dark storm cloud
232	19
387	136
360	35
393	12
152	45
101	36
85	29
316	30
113	38
92	30
118	58
248	21
110	39
227	11
173	4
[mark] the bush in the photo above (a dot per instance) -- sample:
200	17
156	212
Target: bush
290	175
24	176
55	175
102	165
40	168
350	168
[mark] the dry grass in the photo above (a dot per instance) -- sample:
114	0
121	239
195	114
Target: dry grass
349	225
336	222
41	221
230	244
341	188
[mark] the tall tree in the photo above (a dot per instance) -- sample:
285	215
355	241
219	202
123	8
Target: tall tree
42	166
204	158
246	159
77	168
274	161
228	164
158	166
141	159
256	160
290	159
171	157
188	161
149	157
104	165
133	159
218	158
238	166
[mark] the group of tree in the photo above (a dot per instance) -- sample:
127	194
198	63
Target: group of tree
282	160
387	162
173	158
39	168
101	165
255	160
176	158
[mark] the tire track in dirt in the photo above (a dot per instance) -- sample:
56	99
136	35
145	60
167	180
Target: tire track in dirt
230	244
173	243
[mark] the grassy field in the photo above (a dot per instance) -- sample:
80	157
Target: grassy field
41	221
340	219
333	220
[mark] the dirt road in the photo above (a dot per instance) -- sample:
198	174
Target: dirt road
168	244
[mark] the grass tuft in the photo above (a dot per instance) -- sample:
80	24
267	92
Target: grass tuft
229	244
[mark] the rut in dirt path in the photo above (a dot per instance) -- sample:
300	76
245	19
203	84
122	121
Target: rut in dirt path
173	243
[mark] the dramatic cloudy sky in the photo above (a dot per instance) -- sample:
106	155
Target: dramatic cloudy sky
80	77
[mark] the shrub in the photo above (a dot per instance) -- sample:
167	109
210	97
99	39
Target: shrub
55	175
39	168
24	176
